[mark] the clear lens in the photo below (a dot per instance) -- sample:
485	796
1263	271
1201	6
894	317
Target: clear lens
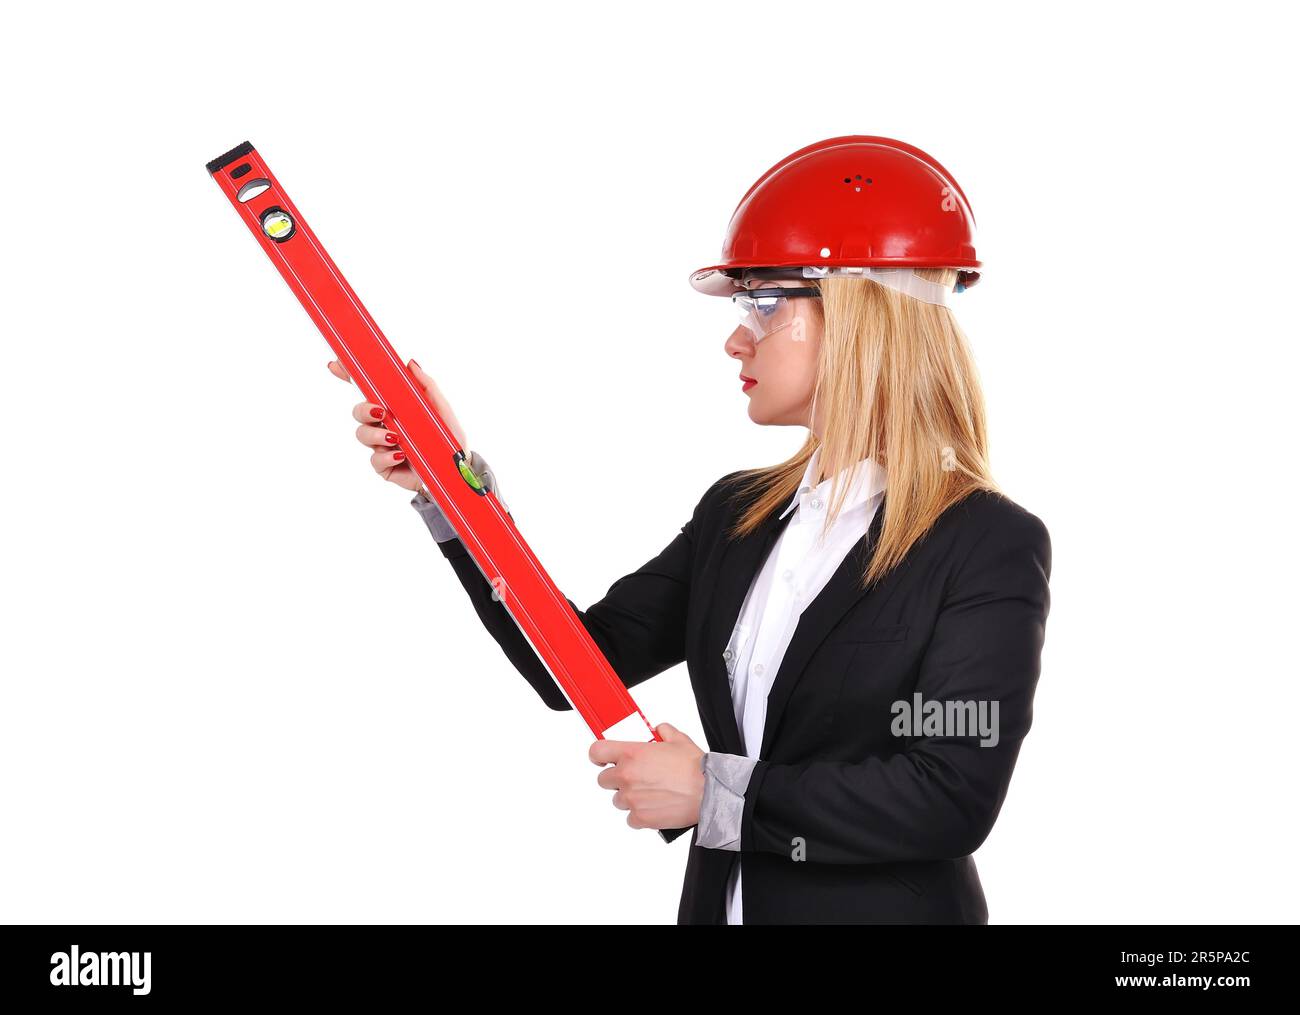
763	315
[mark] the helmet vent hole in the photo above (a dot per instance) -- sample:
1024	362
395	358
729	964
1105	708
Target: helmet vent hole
858	177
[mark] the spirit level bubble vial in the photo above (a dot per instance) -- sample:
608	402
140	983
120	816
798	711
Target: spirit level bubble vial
488	532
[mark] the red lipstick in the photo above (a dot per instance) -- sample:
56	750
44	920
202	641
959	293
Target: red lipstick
746	382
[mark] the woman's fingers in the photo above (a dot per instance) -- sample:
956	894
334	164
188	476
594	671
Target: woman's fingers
371	416
383	461
377	437
368	412
393	466
439	402
387	458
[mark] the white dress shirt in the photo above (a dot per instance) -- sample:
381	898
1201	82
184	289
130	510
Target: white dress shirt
798	567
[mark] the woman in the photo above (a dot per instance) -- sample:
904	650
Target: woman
862	623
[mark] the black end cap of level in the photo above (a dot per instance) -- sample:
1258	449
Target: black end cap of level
237	152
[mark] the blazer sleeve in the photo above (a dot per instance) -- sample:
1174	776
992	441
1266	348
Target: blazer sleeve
938	798
639	625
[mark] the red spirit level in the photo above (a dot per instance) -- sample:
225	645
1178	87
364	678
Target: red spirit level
489	534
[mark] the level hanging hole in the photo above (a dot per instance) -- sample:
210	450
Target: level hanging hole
252	189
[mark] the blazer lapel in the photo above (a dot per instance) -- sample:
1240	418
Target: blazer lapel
741	561
839	595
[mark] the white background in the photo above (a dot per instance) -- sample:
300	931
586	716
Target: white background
240	683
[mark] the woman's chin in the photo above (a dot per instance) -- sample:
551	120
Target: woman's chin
766	416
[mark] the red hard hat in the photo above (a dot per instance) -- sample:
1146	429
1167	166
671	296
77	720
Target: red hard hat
851	201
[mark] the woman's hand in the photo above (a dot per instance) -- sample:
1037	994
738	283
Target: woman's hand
387	457
660	785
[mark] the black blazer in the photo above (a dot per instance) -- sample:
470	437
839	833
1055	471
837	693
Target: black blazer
887	823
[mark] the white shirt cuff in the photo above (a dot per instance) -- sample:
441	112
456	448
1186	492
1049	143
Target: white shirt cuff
436	521
726	777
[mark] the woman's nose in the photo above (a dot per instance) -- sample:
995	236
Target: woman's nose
740	343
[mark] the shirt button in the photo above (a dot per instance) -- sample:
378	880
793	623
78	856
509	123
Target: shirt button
727	654
788	575
815	504
758	669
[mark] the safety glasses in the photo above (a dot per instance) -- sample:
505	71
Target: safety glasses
766	311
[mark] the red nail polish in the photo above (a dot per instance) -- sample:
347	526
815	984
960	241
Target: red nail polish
391	438
398	456
377	413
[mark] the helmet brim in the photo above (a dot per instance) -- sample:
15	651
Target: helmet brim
714	281
724	279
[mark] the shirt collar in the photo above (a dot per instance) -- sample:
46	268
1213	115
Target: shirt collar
869	482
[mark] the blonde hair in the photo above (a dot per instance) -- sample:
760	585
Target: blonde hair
896	382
